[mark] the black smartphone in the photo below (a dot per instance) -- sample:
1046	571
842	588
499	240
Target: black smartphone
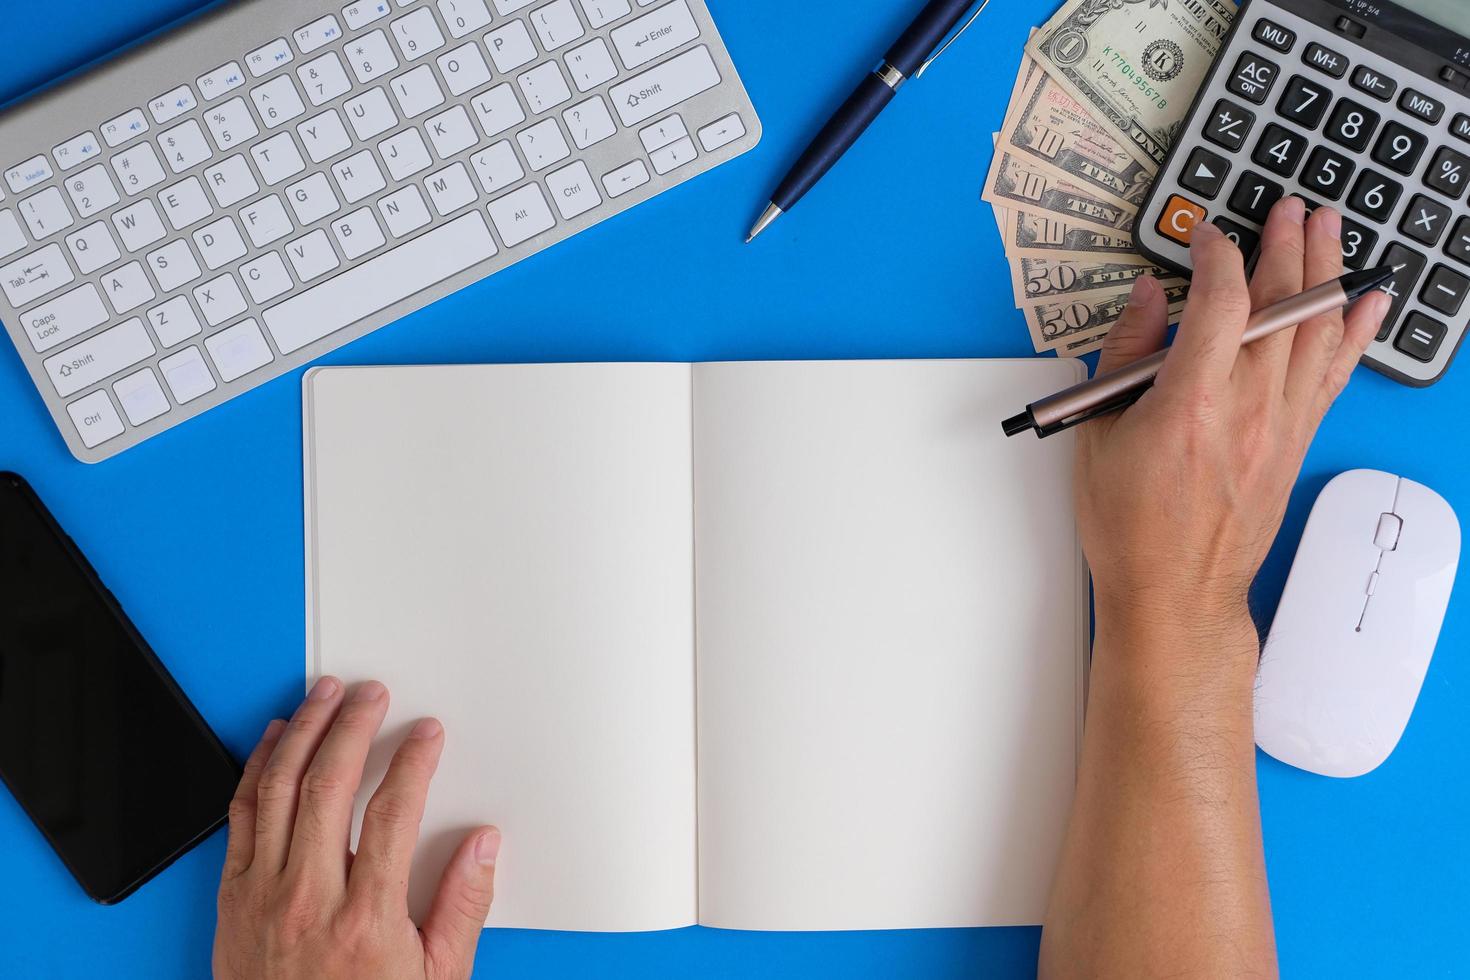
98	744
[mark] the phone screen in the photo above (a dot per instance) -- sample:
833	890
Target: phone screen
97	743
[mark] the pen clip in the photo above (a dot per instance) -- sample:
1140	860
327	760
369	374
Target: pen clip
953	38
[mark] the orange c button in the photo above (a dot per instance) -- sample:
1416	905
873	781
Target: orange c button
1179	218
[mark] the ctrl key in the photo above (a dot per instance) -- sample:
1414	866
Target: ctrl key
96	419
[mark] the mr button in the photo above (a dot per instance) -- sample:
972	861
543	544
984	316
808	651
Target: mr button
1179	218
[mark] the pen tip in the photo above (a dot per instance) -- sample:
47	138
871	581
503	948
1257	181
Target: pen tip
771	214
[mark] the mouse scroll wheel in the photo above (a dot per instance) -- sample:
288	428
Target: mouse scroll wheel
1390	526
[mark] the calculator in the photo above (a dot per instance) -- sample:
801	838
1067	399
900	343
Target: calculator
1363	105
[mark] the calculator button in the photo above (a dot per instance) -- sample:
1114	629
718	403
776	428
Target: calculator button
1179	218
1328	173
1352	125
1418	104
1205	173
1448	172
1375	196
1401	286
1400	148
1426	220
1326	60
1445	291
1253	77
1365	79
1255	196
1421	337
1229	125
1358	243
1274	35
1245	239
1458	246
1461	127
1280	150
1305	103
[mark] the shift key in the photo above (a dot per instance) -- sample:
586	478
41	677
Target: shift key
99	357
660	89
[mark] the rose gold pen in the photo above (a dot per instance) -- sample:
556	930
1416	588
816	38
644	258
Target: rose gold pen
1118	389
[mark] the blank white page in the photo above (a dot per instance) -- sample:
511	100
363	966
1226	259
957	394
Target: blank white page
892	619
509	549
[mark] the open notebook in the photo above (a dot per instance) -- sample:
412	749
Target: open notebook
787	646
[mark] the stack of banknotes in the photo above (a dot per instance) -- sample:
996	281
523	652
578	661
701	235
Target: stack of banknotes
1102	91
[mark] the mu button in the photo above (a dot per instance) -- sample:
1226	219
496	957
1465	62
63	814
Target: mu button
1179	218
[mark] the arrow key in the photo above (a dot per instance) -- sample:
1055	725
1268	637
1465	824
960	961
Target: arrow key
1205	173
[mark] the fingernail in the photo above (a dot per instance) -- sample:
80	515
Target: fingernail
273	729
1331	223
1144	289
427	728
1206	232
371	691
1294	209
487	848
323	689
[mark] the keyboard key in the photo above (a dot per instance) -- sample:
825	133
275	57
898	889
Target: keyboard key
464	69
173	265
30	277
1229	125
316	34
12	239
672	157
118	131
357	234
1327	173
380	282
722	132
1178	219
1375	195
141	396
187	375
1205	173
139	226
1426	220
544	87
324	79
1325	60
417	34
91	191
1305	102
46	213
511	47
557	24
371	56
464	16
1445	291
364	12
98	358
312	199
1280	150
184	146
591	65
269	57
590	122
127	288
1374	83
277	101
1402	286
238	351
650	37
405	154
76	151
1245	239
450	189
1252	79
219	243
626	178
1458	247
95	418
231	181
1255	196
404	210
266	277
451	132
521	215
1421	337
1400	148
312	256
324	136
498	167
1274	35
370	114
220	299
543	145
660	89
170	105
138	169
573	190
417	91
225	78
277	159
1358	243
1415	103
1352	125
33	173
185	203
68	315
265	221
498	110
231	123
174	322
600	13
1448	173
663	132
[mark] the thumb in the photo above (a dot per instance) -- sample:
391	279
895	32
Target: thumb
452	929
1140	331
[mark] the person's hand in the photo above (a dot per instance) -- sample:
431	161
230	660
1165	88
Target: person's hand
1180	497
295	902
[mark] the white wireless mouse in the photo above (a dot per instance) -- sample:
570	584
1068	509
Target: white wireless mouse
1358	622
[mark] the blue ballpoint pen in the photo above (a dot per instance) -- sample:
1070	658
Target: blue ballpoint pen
909	56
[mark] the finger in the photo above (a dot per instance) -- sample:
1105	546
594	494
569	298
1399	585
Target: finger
280	781
457	914
1208	342
241	847
324	813
1278	276
1363	323
1319	339
1140	331
390	823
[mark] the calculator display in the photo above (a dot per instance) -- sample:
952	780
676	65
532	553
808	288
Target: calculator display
1454	14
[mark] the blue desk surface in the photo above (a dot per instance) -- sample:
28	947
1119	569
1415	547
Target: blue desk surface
199	532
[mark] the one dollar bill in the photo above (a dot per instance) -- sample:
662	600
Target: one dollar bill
1135	64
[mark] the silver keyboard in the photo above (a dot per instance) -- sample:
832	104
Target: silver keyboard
279	177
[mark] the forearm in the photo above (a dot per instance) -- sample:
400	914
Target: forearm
1162	873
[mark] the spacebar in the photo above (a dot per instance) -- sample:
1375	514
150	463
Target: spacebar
379	283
